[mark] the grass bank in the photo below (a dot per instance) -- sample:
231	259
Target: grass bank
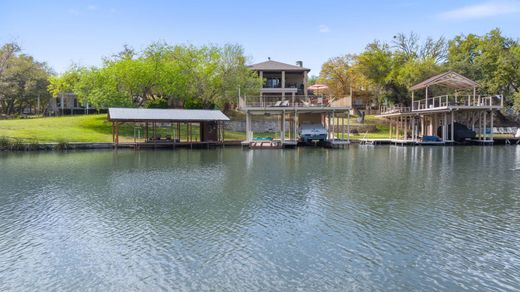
96	128
85	128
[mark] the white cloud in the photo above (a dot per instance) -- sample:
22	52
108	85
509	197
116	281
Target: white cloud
482	10
92	7
323	28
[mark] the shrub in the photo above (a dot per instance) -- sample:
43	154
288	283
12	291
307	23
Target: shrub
5	143
17	145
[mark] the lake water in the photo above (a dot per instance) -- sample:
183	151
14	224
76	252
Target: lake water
362	218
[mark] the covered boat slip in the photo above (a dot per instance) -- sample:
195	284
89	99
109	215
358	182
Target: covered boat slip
335	120
461	116
148	124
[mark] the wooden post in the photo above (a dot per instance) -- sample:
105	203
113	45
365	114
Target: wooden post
282	134
452	126
485	125
296	121
348	126
333	125
405	132
491	125
154	135
343	127
117	134
223	133
146	131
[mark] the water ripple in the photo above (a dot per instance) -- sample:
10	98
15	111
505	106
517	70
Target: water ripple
367	218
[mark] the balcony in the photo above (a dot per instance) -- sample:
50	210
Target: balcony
299	101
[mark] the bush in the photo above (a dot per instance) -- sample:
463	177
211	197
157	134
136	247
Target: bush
17	145
5	143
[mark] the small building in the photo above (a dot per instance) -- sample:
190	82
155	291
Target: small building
67	103
149	124
454	113
284	97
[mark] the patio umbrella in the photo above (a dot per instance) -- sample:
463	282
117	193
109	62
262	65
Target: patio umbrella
317	87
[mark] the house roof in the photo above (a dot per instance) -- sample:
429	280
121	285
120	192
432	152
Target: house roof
142	114
449	79
277	66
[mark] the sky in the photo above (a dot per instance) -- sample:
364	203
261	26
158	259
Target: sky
82	32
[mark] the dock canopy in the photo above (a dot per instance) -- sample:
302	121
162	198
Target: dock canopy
166	125
164	115
449	79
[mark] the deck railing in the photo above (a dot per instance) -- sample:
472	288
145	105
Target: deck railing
299	101
444	101
451	100
394	109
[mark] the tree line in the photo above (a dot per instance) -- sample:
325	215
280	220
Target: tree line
210	76
163	75
387	69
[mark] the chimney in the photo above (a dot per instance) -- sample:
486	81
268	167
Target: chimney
299	63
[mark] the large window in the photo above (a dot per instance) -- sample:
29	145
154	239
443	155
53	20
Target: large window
273	83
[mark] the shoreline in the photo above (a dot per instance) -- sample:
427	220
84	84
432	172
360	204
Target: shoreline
61	146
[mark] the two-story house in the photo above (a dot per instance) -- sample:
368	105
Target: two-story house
281	79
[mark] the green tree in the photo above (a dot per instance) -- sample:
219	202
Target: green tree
492	60
23	81
162	75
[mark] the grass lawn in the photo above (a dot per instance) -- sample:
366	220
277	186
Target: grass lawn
370	120
84	128
95	128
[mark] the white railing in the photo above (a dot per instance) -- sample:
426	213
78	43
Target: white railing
457	101
299	101
386	110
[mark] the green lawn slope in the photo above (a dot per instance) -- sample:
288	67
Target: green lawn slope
96	128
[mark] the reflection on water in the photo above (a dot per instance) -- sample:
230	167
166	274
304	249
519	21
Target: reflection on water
367	218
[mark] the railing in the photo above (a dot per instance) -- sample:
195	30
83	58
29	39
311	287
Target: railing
445	101
299	101
457	101
394	109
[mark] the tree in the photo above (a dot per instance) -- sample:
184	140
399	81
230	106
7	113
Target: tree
336	74
492	60
23	80
194	77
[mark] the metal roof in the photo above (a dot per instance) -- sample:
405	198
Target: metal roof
277	66
148	114
449	79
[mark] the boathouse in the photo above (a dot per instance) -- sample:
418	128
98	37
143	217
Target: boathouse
284	97
164	126
445	109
